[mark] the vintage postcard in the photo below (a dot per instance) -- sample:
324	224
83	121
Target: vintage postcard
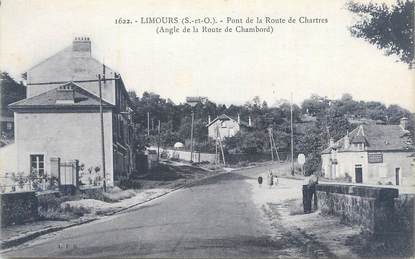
207	129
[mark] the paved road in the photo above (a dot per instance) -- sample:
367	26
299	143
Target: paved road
215	218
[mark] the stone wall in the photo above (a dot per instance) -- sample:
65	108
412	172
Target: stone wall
371	207
18	208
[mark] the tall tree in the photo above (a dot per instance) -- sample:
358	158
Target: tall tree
390	28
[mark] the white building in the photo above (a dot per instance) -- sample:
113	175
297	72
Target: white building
224	126
60	117
372	154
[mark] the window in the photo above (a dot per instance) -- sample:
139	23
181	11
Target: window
9	125
37	164
359	146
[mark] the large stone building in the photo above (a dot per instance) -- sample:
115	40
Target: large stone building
60	117
224	126
372	154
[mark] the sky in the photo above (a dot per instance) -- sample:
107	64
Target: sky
228	68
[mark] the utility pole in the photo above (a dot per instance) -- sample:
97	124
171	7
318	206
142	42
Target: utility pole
270	143
275	147
191	138
102	133
292	135
148	123
158	143
221	147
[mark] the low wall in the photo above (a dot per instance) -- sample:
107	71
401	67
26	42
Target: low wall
186	155
18	208
371	207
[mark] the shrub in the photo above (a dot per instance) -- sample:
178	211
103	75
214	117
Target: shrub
130	184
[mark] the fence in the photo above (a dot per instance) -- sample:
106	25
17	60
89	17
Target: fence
12	182
62	175
211	157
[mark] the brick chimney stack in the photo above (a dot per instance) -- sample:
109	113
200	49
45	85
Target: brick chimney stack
81	46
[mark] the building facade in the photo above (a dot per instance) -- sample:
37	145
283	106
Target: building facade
224	126
372	154
60	117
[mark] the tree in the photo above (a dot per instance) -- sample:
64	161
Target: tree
10	91
388	28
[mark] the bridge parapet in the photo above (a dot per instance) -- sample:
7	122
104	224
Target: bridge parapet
371	207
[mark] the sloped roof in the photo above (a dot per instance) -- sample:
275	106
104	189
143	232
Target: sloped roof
224	117
68	95
377	138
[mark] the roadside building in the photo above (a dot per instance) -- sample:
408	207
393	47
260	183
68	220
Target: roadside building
372	154
60	117
225	126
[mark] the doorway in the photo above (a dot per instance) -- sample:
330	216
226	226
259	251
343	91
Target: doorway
397	175
358	174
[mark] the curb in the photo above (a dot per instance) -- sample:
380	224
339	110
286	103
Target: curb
30	236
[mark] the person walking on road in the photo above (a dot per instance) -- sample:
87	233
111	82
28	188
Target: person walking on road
270	179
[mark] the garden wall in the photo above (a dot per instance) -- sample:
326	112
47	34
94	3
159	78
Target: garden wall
18	208
371	207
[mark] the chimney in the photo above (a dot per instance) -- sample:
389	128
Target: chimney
81	46
239	119
331	142
249	122
347	141
404	123
208	119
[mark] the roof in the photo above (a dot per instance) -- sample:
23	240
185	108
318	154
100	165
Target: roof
224	117
69	95
377	138
65	66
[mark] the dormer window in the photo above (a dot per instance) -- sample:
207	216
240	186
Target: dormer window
359	146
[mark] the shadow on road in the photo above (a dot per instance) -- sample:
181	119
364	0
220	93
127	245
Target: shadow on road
219	179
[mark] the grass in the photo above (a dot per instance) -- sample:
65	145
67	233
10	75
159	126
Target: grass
295	207
163	172
117	194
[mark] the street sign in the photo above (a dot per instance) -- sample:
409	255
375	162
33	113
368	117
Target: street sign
301	159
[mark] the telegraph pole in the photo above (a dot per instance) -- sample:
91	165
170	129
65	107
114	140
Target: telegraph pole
191	138
148	123
270	143
158	143
292	135
102	133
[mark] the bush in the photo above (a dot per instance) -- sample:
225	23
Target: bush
49	206
130	184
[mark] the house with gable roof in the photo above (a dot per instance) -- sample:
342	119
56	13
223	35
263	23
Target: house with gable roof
372	154
60	118
225	126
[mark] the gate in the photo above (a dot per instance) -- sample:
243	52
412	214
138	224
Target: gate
68	176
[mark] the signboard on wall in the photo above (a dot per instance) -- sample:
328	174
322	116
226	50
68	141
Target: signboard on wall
375	157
